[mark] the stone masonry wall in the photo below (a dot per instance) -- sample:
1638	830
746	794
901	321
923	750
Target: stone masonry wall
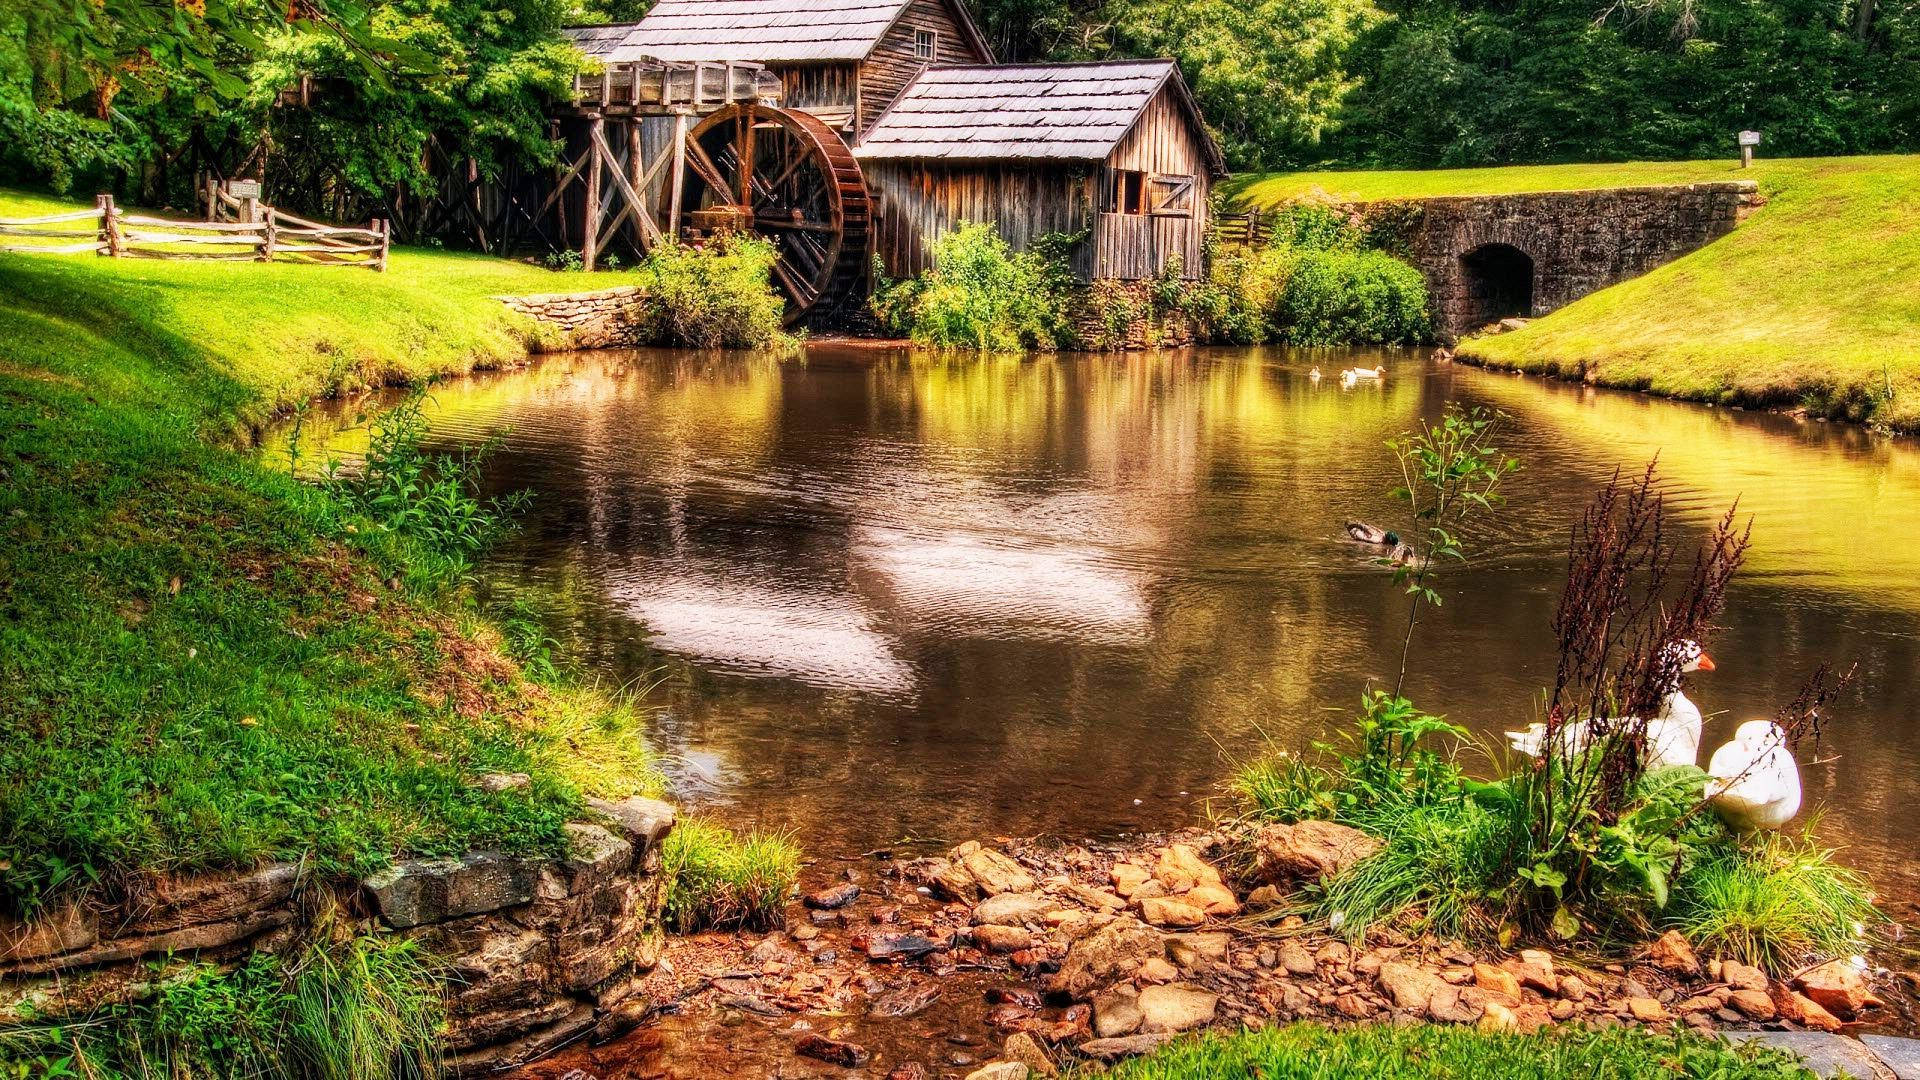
587	320
1579	241
542	952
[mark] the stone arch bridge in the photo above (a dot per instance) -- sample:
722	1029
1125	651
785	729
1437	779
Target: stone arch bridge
1488	257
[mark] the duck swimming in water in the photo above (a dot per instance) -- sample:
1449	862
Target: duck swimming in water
1315	373
1673	734
1399	552
1756	781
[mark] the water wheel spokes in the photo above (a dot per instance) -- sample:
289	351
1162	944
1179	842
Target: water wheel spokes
788	178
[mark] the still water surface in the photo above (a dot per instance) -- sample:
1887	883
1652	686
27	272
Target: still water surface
900	595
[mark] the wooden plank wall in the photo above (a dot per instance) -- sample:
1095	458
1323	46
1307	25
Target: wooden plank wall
829	91
1137	246
920	202
891	65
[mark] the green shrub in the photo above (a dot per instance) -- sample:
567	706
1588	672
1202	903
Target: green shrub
980	294
717	879
717	297
1775	903
1310	1051
368	1009
1353	298
428	498
1235	304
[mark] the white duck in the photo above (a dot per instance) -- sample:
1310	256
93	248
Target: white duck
1756	782
1315	373
1355	374
1673	734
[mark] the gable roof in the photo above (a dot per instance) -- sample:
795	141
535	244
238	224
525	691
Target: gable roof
1057	112
757	31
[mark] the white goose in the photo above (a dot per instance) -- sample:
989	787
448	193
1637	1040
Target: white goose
1349	376
1756	782
1673	735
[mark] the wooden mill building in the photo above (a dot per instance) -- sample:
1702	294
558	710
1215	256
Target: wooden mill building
846	129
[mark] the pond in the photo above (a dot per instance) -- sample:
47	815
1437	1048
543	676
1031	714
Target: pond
888	595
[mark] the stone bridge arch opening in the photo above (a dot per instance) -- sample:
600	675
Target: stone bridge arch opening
1499	281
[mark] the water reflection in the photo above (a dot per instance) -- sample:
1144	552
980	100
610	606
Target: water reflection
918	595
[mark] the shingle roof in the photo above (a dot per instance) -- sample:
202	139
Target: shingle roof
1063	112
760	31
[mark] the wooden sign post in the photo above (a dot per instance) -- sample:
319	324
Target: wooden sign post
1748	140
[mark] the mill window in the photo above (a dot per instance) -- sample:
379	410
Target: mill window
1128	194
926	44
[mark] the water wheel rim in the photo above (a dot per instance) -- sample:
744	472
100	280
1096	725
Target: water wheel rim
822	249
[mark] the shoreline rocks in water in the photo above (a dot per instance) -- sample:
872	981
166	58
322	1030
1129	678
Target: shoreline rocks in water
1055	952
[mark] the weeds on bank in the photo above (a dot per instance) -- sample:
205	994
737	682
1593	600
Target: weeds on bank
717	879
1587	840
365	1009
1306	1051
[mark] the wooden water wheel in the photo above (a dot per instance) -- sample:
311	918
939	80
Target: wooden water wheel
788	177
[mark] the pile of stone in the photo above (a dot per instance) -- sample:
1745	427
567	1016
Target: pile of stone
1123	950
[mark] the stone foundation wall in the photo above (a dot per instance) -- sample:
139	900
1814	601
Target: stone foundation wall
1578	241
542	952
1123	316
586	320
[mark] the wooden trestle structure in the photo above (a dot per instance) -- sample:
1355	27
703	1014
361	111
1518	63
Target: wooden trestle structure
654	149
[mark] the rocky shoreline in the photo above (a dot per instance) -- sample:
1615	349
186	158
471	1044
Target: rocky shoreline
995	962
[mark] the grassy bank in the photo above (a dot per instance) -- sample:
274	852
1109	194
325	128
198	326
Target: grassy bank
209	664
1812	302
1384	1052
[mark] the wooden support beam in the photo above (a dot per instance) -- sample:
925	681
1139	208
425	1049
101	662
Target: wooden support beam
590	232
679	178
636	175
634	201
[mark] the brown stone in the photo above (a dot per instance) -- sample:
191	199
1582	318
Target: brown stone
1410	987
1497	981
1098	899
1126	1047
1742	976
1295	958
1309	850
1022	1048
1647	1010
833	1051
1752	1004
1013	909
1116	1012
1108	955
1452	1004
1176	1007
1171	911
1839	986
1127	878
1214	900
975	872
66	928
1002	939
1354	1006
1157	970
1673	954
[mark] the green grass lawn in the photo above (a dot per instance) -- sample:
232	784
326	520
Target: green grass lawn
1440	1052
1814	301
206	663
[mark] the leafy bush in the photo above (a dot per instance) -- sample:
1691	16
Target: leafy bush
980	294
1340	297
428	498
717	879
1235	303
1776	903
717	297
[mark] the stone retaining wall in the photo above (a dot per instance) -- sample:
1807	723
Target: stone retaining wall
542	952
1555	246
1123	316
586	320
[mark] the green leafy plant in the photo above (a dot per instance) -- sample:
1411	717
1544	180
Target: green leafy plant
428	498
1342	297
1450	476
568	260
980	294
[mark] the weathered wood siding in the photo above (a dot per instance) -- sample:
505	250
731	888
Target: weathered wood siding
921	202
829	91
892	65
1132	246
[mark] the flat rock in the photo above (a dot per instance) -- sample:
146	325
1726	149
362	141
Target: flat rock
1410	987
1648	1010
1742	976
1839	986
1826	1054
1213	899
833	1051
1124	1047
1295	958
1127	878
421	891
645	821
1022	1048
205	898
1013	909
1002	939
1498	981
900	946
1902	1056
1117	1012
1000	1070
1752	1004
1309	850
69	927
1171	911
1457	1004
1176	1007
1106	956
833	898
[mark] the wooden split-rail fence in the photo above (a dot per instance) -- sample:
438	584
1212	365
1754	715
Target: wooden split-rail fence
263	234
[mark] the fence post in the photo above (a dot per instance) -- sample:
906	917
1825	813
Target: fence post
109	228
386	236
267	235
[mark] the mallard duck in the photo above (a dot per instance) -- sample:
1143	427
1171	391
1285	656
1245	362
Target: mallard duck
1372	534
1673	734
1756	781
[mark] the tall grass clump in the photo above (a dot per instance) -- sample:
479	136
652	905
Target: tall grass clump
718	879
717	297
1775	903
364	1009
1353	298
981	294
